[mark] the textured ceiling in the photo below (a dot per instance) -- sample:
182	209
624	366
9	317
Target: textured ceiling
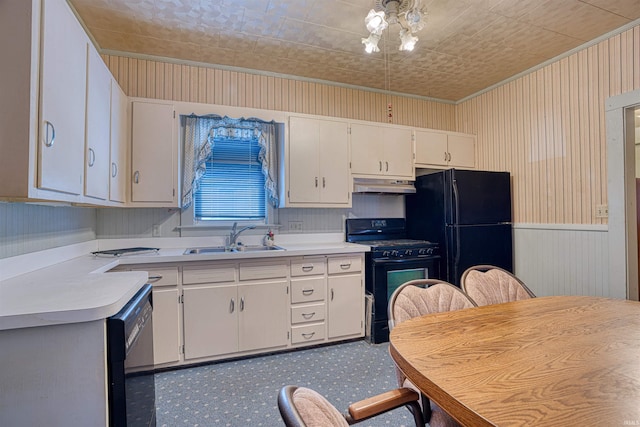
466	46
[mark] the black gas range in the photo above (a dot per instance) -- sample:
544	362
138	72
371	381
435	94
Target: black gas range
393	260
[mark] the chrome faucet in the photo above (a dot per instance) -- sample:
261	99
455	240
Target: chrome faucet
233	236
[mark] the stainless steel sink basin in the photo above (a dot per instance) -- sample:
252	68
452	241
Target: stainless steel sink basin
223	249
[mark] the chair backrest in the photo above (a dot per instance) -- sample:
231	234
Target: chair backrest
303	407
424	296
488	284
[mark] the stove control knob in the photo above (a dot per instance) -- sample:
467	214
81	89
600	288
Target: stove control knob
394	253
408	252
385	253
429	251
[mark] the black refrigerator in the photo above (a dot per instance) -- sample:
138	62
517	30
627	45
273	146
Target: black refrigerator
469	213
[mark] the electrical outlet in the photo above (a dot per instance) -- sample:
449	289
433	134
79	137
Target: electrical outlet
295	225
602	211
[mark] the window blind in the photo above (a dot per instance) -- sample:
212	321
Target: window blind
232	187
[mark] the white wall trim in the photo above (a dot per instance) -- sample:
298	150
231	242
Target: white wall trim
574	227
623	251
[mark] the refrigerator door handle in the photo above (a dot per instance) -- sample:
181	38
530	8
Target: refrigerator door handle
456	207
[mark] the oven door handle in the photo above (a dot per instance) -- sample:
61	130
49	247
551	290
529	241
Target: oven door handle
401	260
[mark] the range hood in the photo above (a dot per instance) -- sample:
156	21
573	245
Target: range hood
379	186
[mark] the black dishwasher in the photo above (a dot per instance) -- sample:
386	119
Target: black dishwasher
130	363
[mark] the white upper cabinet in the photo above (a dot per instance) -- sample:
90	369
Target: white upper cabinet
62	100
154	151
445	149
98	127
318	164
379	151
119	144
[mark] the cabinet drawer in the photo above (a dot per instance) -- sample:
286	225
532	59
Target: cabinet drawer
223	273
162	276
307	290
345	265
262	271
307	313
307	333
308	267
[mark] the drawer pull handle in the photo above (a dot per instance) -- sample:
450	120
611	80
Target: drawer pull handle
156	277
307	267
308	315
308	336
232	306
307	291
345	266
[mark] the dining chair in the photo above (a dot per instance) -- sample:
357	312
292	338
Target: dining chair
417	298
304	407
488	284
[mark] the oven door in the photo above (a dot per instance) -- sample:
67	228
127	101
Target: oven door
385	276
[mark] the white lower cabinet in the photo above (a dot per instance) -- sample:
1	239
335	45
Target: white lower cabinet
210	320
345	299
214	310
234	309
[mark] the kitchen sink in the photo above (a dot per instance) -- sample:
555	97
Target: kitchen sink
223	249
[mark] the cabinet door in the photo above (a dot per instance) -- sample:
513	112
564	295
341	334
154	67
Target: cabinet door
398	152
153	153
263	315
98	131
462	150
210	321
304	171
119	144
166	325
366	156
345	306
334	162
431	148
62	100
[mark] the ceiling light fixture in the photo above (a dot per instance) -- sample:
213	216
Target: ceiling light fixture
406	13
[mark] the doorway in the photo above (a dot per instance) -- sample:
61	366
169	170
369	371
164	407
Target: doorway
623	228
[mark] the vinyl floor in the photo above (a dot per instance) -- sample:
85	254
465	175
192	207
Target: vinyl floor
244	392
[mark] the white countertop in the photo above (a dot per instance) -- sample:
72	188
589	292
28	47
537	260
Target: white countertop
81	289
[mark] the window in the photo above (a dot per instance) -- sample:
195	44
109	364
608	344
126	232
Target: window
232	187
230	169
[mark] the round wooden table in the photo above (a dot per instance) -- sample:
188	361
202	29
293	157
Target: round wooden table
550	361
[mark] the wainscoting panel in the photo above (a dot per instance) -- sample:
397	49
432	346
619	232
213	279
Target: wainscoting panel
548	129
204	84
26	228
563	259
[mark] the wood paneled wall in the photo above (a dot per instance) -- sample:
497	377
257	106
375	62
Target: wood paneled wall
548	129
190	83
